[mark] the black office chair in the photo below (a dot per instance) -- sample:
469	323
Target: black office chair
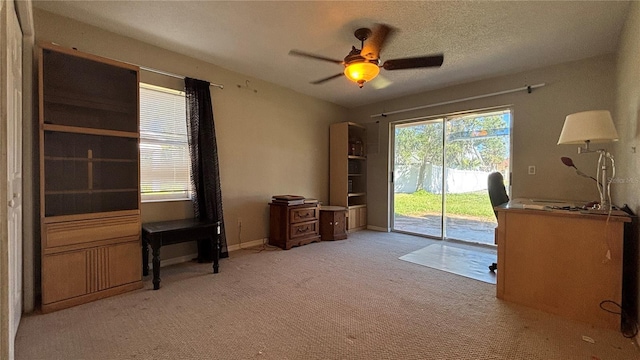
497	196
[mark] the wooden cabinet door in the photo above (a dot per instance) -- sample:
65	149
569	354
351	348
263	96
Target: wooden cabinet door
64	276
353	218
357	217
333	225
362	217
125	263
339	225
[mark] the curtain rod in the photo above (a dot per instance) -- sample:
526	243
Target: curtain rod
172	75
527	87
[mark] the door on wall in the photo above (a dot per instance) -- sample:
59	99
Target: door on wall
440	174
11	135
417	177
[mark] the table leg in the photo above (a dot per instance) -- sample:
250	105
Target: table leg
145	257
156	266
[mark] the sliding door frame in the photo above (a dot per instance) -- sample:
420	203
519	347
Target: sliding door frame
443	118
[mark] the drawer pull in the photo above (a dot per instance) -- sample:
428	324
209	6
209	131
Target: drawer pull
305	229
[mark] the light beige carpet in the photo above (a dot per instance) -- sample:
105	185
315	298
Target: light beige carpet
349	299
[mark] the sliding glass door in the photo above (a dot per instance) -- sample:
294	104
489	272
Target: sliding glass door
417	173
440	174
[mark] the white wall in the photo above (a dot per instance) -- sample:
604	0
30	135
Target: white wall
537	121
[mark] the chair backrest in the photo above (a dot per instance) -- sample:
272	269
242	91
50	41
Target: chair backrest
497	192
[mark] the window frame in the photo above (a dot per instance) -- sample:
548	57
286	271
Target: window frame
146	140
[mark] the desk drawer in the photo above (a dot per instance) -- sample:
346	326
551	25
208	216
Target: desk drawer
299	230
303	214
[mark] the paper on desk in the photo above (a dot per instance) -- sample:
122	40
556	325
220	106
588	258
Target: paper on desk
539	204
535	207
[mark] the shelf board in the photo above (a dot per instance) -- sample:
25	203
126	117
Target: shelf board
356	194
356	206
87	191
84	159
356	125
98	215
82	101
356	174
89	131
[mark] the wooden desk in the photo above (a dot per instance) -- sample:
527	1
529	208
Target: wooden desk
173	232
561	262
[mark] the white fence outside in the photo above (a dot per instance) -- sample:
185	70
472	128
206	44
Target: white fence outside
458	181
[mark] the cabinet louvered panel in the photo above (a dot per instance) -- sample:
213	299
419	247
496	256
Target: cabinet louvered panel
97	269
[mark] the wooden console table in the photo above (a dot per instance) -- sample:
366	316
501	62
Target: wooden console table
562	262
173	232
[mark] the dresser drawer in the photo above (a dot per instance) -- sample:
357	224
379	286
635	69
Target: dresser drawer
308	228
303	214
86	231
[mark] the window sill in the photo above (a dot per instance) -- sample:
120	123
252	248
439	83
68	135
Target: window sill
163	200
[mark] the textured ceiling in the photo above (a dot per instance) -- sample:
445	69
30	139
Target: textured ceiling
479	39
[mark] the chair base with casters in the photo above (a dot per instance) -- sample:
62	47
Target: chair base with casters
497	196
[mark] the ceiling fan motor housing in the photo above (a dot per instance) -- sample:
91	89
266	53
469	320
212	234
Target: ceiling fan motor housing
355	57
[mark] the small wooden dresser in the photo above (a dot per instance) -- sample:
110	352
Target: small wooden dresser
293	225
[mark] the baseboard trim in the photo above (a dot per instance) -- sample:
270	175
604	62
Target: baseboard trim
377	228
175	260
248	244
189	257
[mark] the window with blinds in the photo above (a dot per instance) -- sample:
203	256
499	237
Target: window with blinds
164	150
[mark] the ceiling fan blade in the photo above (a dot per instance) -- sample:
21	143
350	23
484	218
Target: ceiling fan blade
326	79
313	56
414	62
373	46
380	82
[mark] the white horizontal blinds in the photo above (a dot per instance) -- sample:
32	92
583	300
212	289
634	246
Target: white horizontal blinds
164	149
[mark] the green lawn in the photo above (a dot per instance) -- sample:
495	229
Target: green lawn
473	204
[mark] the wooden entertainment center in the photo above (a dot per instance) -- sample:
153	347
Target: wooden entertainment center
89	177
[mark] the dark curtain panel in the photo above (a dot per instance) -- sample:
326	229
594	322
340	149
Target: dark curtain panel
205	172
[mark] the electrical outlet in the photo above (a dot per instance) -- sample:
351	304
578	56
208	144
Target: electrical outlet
532	170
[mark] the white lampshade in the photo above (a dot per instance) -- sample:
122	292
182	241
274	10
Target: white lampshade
594	126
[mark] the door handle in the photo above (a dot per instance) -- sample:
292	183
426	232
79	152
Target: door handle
12	202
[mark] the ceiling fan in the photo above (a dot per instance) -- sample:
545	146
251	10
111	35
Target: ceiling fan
362	65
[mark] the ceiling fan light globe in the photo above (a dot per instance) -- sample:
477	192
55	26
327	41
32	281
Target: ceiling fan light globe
361	72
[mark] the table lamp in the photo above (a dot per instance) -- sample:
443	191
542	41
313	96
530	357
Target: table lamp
589	127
